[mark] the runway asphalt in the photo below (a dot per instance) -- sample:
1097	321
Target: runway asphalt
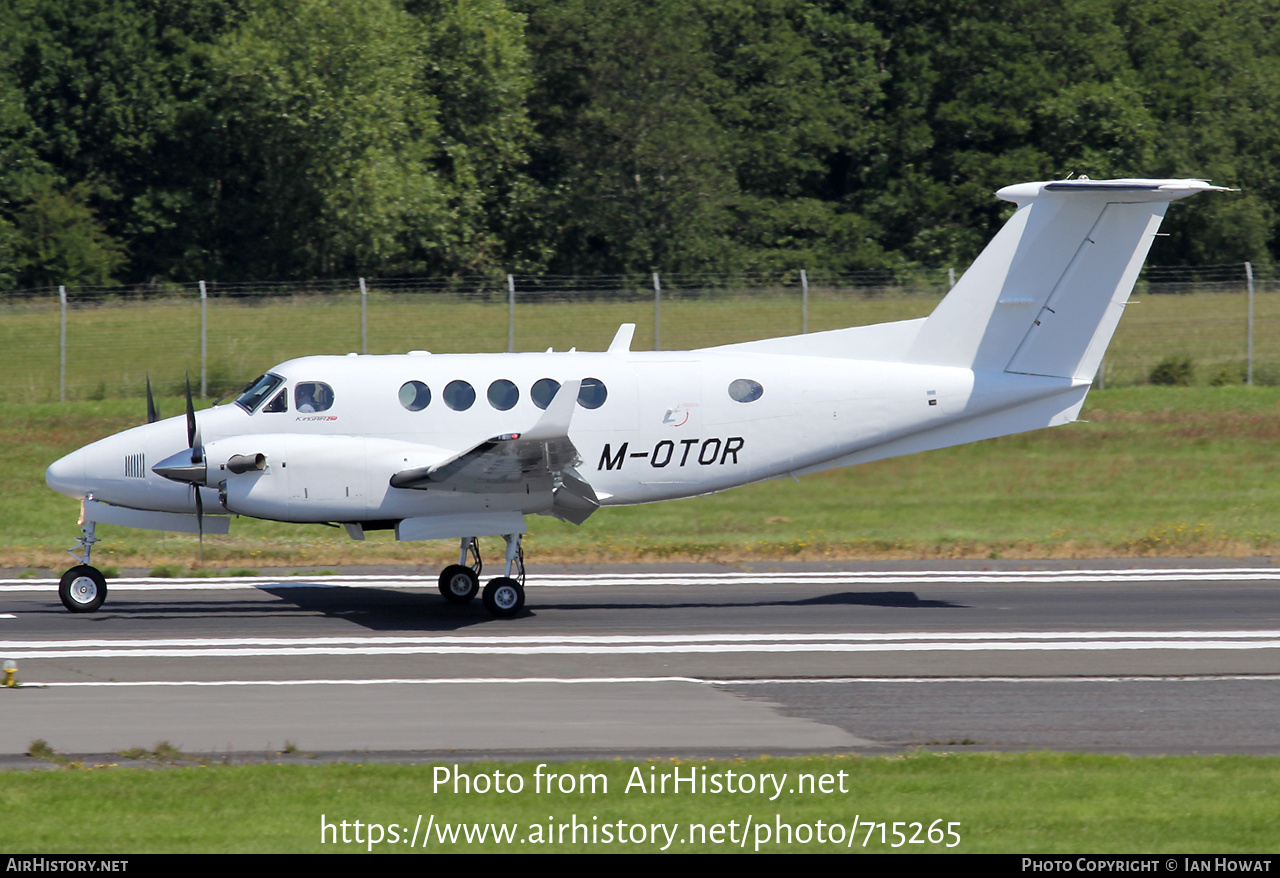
1128	656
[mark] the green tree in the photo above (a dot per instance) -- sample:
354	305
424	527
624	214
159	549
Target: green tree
367	137
630	152
59	240
686	135
979	96
477	70
107	86
324	137
1209	72
798	82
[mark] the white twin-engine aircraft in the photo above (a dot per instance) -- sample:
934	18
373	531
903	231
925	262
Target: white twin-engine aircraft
463	446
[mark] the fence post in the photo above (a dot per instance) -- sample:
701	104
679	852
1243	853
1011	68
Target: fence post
951	277
1248	374
804	302
657	313
204	341
511	314
62	345
364	318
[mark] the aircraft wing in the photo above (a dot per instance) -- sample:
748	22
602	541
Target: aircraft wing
541	459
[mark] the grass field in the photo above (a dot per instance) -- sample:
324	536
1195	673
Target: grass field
1155	471
113	346
1035	803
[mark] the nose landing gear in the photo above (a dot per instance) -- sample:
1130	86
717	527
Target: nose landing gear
83	588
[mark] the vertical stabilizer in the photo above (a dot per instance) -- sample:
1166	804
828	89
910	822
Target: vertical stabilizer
1046	294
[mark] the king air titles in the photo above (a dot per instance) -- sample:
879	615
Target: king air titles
676	453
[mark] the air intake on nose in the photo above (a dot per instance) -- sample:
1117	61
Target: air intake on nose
135	466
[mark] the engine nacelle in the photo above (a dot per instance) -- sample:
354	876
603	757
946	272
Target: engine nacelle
316	478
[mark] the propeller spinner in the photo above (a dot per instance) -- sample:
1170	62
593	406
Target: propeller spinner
189	465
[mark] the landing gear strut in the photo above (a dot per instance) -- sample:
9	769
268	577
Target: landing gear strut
504	596
83	588
460	582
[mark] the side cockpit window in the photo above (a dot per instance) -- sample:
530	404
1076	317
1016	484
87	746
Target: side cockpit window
312	396
258	392
279	404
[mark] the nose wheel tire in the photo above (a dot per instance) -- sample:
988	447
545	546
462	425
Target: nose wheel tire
82	589
504	597
459	584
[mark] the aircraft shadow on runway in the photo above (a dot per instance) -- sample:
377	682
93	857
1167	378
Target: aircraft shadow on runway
387	610
382	609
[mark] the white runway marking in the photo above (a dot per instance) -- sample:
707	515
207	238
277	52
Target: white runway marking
705	681
563	580
240	647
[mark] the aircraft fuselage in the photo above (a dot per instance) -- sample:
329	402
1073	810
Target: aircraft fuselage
667	427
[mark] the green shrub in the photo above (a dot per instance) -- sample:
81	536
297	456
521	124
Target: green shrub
1227	373
1176	371
1266	374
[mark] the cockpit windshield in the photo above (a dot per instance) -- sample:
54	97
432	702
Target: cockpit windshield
258	391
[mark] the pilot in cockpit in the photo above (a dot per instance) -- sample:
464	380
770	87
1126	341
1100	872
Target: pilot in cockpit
312	396
305	398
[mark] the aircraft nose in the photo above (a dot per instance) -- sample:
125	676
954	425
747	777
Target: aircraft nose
67	475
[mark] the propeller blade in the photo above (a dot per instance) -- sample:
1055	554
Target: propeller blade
191	416
153	413
200	520
193	430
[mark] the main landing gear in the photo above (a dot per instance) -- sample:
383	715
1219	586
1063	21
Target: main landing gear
503	596
83	588
460	582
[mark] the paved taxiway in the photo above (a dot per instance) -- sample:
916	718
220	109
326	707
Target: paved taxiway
1181	657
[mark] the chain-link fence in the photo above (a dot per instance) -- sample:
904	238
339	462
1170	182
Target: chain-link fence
104	342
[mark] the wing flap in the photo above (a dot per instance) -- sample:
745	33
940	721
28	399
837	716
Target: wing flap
540	460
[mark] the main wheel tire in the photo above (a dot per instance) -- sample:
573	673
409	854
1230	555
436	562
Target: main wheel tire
504	597
82	589
459	584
